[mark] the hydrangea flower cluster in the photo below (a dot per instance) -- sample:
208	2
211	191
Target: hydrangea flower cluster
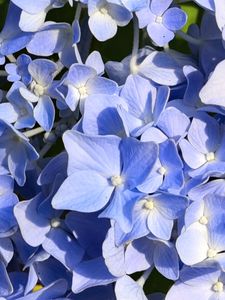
112	172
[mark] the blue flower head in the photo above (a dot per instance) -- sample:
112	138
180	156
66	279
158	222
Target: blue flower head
161	20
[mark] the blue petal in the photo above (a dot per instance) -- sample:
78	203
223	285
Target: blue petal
173	123
84	191
91	273
7	202
159	225
100	154
113	255
42	71
174	18
161	68
103	27
44	112
101	117
65	249
138	160
31	7
166	260
159	6
31	22
5	284
160	34
127	288
50	39
120	208
140	251
33	226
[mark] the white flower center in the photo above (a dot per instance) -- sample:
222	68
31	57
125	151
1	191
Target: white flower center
103	10
210	156
162	171
149	204
218	286
159	19
83	92
211	253
37	89
55	222
203	220
117	180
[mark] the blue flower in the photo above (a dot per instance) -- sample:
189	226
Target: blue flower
105	17
23	108
42	72
144	103
12	39
198	282
102	170
161	20
15	152
203	152
82	81
7	202
19	70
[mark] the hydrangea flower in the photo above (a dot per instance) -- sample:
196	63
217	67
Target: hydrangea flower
15	151
161	20
42	72
82	81
105	176
104	17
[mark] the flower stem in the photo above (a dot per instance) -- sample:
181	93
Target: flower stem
189	38
11	58
141	281
133	61
33	132
3	73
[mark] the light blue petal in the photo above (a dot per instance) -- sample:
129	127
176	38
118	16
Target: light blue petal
138	160
101	117
173	123
192	245
95	61
91	273
161	68
159	225
42	71
33	226
5	284
84	191
100	154
191	156
31	22
121	207
8	113
159	34
100	85
103	27
44	113
127	288
166	260
204	133
54	290
140	251
31	7
159	6
65	249
50	39
113	255
212	93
